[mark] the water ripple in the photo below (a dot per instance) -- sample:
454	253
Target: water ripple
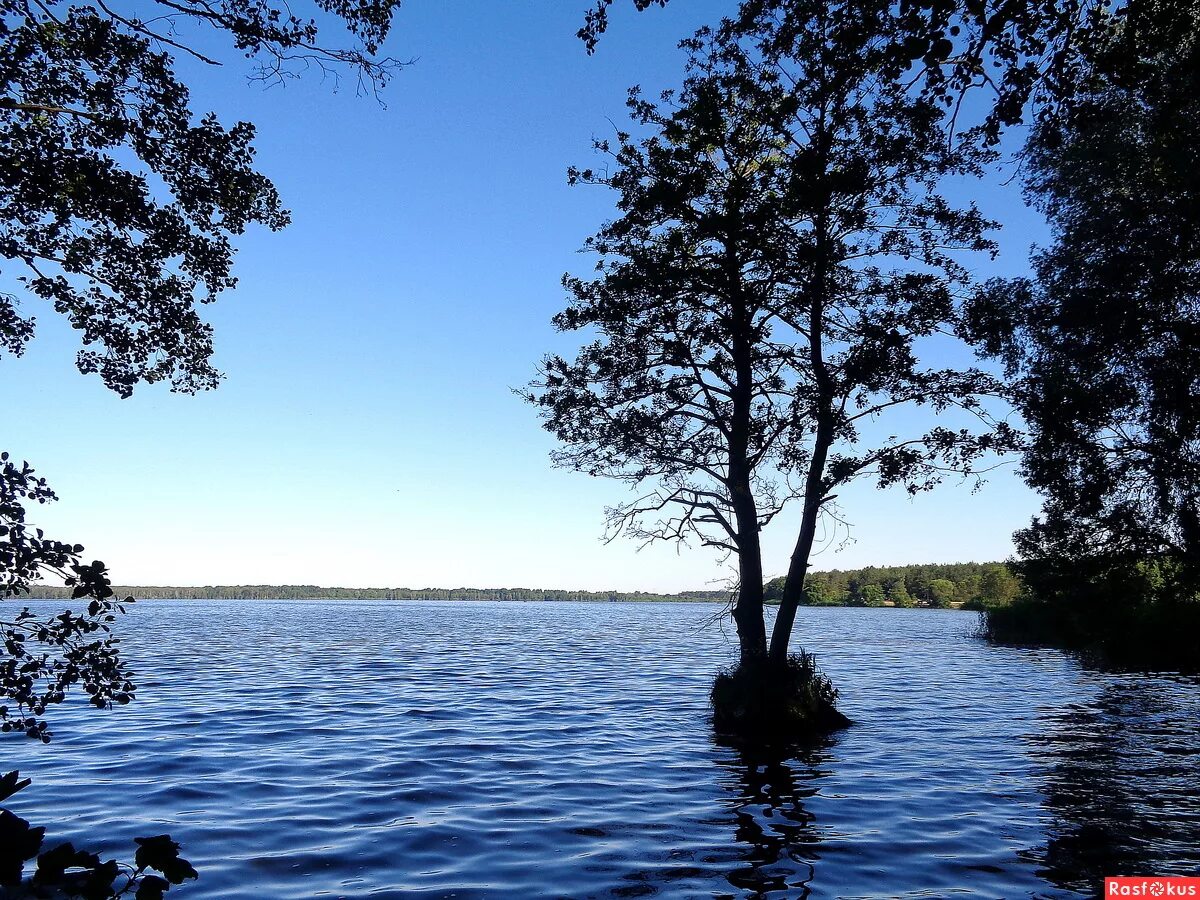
374	750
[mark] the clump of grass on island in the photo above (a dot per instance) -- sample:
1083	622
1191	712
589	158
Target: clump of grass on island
760	699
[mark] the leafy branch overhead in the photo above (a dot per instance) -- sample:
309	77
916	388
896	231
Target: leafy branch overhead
1025	57
118	203
118	207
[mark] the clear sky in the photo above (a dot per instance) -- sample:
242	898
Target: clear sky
367	433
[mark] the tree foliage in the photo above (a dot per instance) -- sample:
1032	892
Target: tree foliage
64	871
1105	337
118	209
1105	342
1025	57
977	585
781	251
117	203
942	591
44	657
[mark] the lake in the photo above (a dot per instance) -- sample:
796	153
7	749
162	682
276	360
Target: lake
443	749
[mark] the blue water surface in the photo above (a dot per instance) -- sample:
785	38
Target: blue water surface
458	749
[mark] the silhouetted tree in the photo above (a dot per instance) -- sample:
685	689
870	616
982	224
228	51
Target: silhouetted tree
1106	340
44	658
117	202
1026	57
781	250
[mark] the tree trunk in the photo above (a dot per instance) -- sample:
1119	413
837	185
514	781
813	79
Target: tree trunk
814	482
793	587
748	611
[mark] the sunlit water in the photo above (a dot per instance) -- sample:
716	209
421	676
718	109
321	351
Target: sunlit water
524	750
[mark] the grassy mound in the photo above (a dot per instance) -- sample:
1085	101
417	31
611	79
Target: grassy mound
763	700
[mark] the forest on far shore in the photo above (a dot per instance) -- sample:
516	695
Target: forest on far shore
929	584
941	585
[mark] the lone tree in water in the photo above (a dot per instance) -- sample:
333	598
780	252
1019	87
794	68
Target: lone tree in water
780	251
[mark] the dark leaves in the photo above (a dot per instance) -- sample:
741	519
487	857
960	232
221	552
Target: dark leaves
19	841
71	872
1106	337
119	201
162	854
152	888
44	658
53	864
10	783
779	252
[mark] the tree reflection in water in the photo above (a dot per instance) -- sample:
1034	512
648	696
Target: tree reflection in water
1122	788
776	836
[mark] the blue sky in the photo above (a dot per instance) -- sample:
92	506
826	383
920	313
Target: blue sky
367	433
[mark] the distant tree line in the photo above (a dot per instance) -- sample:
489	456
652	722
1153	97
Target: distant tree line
975	585
970	585
312	592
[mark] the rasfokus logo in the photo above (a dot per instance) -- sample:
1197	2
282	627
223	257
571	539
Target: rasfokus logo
1153	887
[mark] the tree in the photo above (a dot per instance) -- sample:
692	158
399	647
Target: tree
873	595
941	592
1104	340
1106	336
45	658
128	251
815	594
781	251
855	588
998	586
898	594
773	590
1028	56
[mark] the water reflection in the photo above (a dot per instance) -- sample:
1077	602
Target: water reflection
1122	788
777	838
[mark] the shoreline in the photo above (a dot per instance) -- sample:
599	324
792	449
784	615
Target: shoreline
469	595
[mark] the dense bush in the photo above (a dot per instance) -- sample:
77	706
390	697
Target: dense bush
1125	612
